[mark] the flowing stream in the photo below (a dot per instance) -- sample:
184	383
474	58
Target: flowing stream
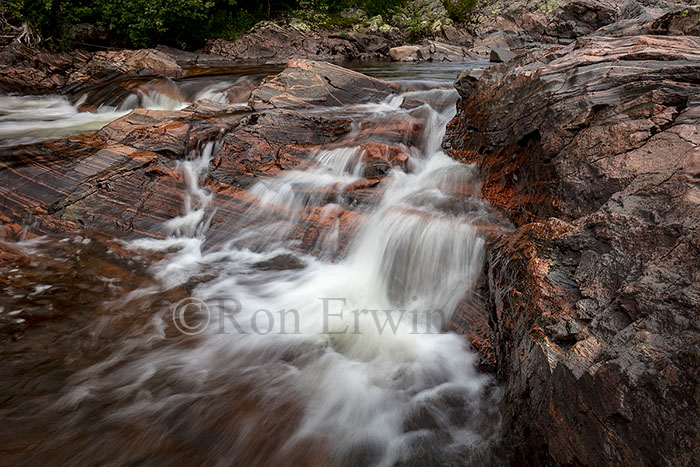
258	351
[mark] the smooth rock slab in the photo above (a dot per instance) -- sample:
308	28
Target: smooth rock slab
306	83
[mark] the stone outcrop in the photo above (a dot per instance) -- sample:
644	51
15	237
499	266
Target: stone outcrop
27	70
272	43
307	83
523	24
593	151
124	181
682	22
432	51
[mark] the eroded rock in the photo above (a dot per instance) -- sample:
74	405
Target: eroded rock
307	83
593	151
272	43
27	70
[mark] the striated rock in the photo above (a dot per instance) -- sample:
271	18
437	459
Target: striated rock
306	83
440	52
593	151
683	22
125	180
507	40
148	59
522	24
454	36
271	141
170	133
432	51
28	70
467	80
581	17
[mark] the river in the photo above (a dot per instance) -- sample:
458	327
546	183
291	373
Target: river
259	349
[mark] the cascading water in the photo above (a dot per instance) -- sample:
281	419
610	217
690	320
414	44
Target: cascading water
340	359
32	119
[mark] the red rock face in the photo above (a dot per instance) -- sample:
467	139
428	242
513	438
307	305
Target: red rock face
593	151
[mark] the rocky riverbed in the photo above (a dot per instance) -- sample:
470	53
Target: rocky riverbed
577	185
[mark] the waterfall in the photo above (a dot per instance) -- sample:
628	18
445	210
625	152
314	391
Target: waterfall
266	350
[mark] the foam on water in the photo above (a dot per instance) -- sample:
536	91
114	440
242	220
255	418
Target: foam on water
32	119
351	353
25	120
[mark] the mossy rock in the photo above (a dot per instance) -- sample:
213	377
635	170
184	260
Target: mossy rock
300	25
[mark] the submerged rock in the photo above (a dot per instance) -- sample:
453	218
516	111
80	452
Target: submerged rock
593	151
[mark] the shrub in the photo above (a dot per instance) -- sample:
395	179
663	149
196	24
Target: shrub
182	23
459	10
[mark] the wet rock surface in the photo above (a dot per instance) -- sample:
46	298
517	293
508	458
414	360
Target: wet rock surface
27	70
593	150
125	180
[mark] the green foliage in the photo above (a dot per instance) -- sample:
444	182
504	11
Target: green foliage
143	22
188	23
382	7
459	10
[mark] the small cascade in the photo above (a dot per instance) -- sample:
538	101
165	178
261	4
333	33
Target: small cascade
33	119
353	348
316	333
26	120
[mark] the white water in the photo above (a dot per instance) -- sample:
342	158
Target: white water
359	372
25	120
32	119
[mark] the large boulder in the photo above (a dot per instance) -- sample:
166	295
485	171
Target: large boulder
307	83
593	151
404	53
432	51
501	55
